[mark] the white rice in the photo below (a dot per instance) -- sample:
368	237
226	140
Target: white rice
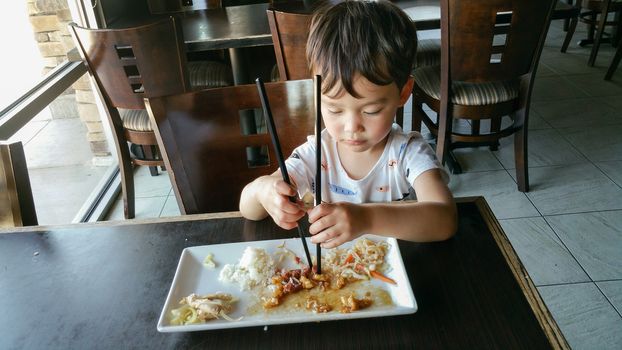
255	267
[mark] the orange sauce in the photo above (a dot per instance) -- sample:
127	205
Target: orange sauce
296	302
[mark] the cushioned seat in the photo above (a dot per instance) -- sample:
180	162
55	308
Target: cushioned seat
428	53
467	94
135	119
209	74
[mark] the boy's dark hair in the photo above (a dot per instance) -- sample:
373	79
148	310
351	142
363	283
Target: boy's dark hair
373	38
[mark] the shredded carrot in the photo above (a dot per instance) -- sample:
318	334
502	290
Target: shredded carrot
382	277
349	259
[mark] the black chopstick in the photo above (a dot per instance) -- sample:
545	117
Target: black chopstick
317	82
279	155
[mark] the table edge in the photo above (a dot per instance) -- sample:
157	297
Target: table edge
542	313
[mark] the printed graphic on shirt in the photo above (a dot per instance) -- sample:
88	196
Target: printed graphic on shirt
384	188
402	148
324	166
341	190
295	155
392	163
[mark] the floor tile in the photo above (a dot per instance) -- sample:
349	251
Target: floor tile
499	190
585	317
170	207
555	88
613	170
613	292
594	239
545	257
145	208
536	122
569	63
615	101
545	147
58	203
595	85
477	159
572	188
581	112
151	186
598	143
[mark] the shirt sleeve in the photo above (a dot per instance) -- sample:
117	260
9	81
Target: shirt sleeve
418	157
300	166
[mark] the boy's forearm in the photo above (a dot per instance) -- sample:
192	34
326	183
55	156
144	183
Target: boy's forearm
250	206
413	221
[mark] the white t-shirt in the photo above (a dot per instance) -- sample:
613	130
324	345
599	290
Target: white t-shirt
405	156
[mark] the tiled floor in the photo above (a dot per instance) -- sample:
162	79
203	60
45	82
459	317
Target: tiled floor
568	229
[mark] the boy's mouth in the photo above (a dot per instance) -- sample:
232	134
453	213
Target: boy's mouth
353	142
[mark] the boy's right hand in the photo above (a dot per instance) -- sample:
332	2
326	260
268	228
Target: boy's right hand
273	194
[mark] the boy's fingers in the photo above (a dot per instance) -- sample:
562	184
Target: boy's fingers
284	189
317	212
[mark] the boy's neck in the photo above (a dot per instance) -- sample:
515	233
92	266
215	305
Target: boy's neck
358	164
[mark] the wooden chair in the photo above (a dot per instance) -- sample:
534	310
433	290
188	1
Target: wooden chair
290	31
171	6
487	70
17	207
594	13
130	64
614	63
206	148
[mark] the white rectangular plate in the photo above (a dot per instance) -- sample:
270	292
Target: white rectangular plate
193	277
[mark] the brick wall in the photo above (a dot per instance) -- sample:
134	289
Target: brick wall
49	20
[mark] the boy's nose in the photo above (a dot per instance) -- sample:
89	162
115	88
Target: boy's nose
353	123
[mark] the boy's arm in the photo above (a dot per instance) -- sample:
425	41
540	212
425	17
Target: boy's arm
269	195
431	218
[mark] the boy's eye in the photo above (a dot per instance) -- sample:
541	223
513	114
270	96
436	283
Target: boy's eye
374	112
334	111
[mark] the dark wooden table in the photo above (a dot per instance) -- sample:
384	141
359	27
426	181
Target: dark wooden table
88	286
247	25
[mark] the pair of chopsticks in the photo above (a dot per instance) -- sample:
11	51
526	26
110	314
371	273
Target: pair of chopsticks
279	155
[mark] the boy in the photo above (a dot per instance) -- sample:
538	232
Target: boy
364	51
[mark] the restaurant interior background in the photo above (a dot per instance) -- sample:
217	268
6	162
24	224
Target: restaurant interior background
577	270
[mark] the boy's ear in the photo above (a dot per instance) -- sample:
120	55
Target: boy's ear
407	89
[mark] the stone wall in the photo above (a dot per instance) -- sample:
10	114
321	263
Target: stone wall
49	20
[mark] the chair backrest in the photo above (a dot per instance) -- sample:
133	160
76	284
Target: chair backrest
492	40
131	64
290	31
206	148
170	6
17	207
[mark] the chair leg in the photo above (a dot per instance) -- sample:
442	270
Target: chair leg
150	152
399	117
475	127
599	33
495	126
127	182
571	29
443	142
614	63
417	117
520	154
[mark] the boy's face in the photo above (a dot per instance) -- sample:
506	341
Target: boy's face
362	124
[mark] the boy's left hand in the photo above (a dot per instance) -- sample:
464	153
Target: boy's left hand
333	224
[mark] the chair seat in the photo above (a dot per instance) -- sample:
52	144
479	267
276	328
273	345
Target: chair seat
428	53
135	119
209	74
467	94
